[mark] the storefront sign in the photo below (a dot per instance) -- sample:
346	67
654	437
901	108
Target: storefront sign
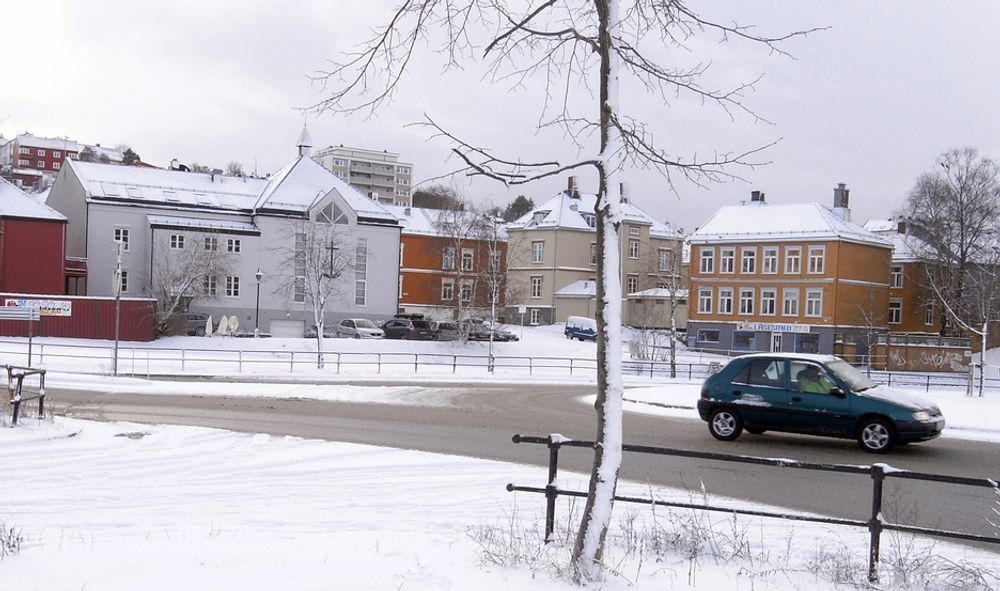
774	327
44	307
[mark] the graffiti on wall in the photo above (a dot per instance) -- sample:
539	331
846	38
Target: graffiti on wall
905	358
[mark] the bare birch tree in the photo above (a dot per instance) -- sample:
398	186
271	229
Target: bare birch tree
311	268
460	226
575	46
188	268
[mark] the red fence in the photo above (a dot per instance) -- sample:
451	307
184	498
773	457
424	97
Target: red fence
82	317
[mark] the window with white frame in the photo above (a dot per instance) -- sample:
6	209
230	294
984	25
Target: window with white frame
121	235
494	261
338	162
748	260
769	262
448	257
40	164
467	255
209	285
535	317
536	288
929	314
361	272
746	301
727	260
466	290
707	260
299	289
447	289
633	249
896	276
704	300
24	151
634	231
725	300
590	220
793	260
666	259
40	152
790	302
56	154
123	287
895	311
211	243
631	284
814	302
817	256
537	251
177	241
232	286
22	162
234	245
56	166
768	301
593	253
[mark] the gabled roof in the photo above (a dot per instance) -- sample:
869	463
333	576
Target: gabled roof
905	247
167	187
584	288
14	203
57	143
788	221
565	211
302	183
424	221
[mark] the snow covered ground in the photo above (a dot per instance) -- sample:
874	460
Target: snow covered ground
102	506
119	506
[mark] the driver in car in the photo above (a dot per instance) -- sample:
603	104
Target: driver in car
810	381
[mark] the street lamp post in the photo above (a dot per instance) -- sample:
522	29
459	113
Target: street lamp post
119	246
256	315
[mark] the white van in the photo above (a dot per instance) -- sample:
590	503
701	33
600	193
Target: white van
581	327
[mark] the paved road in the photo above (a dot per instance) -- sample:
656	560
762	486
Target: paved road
482	419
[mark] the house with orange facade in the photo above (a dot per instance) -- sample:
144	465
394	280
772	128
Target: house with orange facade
786	277
912	309
451	264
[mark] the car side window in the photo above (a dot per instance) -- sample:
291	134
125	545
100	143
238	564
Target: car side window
766	372
810	378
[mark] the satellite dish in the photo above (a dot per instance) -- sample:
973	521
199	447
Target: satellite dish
208	327
223	325
234	323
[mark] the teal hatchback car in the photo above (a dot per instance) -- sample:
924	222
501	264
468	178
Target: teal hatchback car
813	394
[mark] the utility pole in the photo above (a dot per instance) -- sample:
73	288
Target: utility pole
119	246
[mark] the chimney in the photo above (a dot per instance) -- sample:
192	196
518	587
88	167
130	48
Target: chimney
901	226
571	186
756	197
623	189
841	200
175	164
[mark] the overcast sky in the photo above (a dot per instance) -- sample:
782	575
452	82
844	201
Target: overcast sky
870	102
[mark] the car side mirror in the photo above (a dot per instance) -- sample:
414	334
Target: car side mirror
835	391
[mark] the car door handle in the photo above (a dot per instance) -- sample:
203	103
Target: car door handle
737	393
796	399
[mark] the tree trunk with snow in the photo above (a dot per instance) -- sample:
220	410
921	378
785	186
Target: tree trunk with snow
608	449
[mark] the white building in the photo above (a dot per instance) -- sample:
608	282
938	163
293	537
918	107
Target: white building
379	175
253	221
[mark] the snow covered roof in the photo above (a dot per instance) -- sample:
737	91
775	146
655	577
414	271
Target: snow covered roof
202	224
300	184
659	292
424	221
880	226
14	203
576	212
787	221
168	187
583	288
905	247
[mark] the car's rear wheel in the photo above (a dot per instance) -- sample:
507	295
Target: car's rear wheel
725	424
200	331
876	436
357	336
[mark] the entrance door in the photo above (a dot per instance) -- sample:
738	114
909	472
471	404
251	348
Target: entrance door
775	342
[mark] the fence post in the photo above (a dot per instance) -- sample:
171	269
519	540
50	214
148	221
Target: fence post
928	388
690	369
890	379
651	369
291	362
530	369
379	360
416	364
239	357
41	395
17	399
41	354
551	488
454	363
875	523
183	355
338	361
570	366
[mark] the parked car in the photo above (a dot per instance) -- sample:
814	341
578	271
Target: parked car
408	326
581	327
480	331
194	323
813	394
446	331
359	328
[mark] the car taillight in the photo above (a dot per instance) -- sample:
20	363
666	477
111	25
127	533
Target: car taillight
705	395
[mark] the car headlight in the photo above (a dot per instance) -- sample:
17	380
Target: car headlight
922	415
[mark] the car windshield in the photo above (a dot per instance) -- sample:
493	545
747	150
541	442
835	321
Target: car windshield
854	379
365	324
421	324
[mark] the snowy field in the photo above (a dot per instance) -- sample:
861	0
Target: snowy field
104	507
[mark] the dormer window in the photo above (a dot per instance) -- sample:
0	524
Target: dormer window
331	214
538	216
591	219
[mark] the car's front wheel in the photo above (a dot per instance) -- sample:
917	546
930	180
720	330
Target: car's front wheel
725	424
876	436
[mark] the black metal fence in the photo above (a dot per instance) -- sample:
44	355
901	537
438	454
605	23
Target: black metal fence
875	524
15	387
